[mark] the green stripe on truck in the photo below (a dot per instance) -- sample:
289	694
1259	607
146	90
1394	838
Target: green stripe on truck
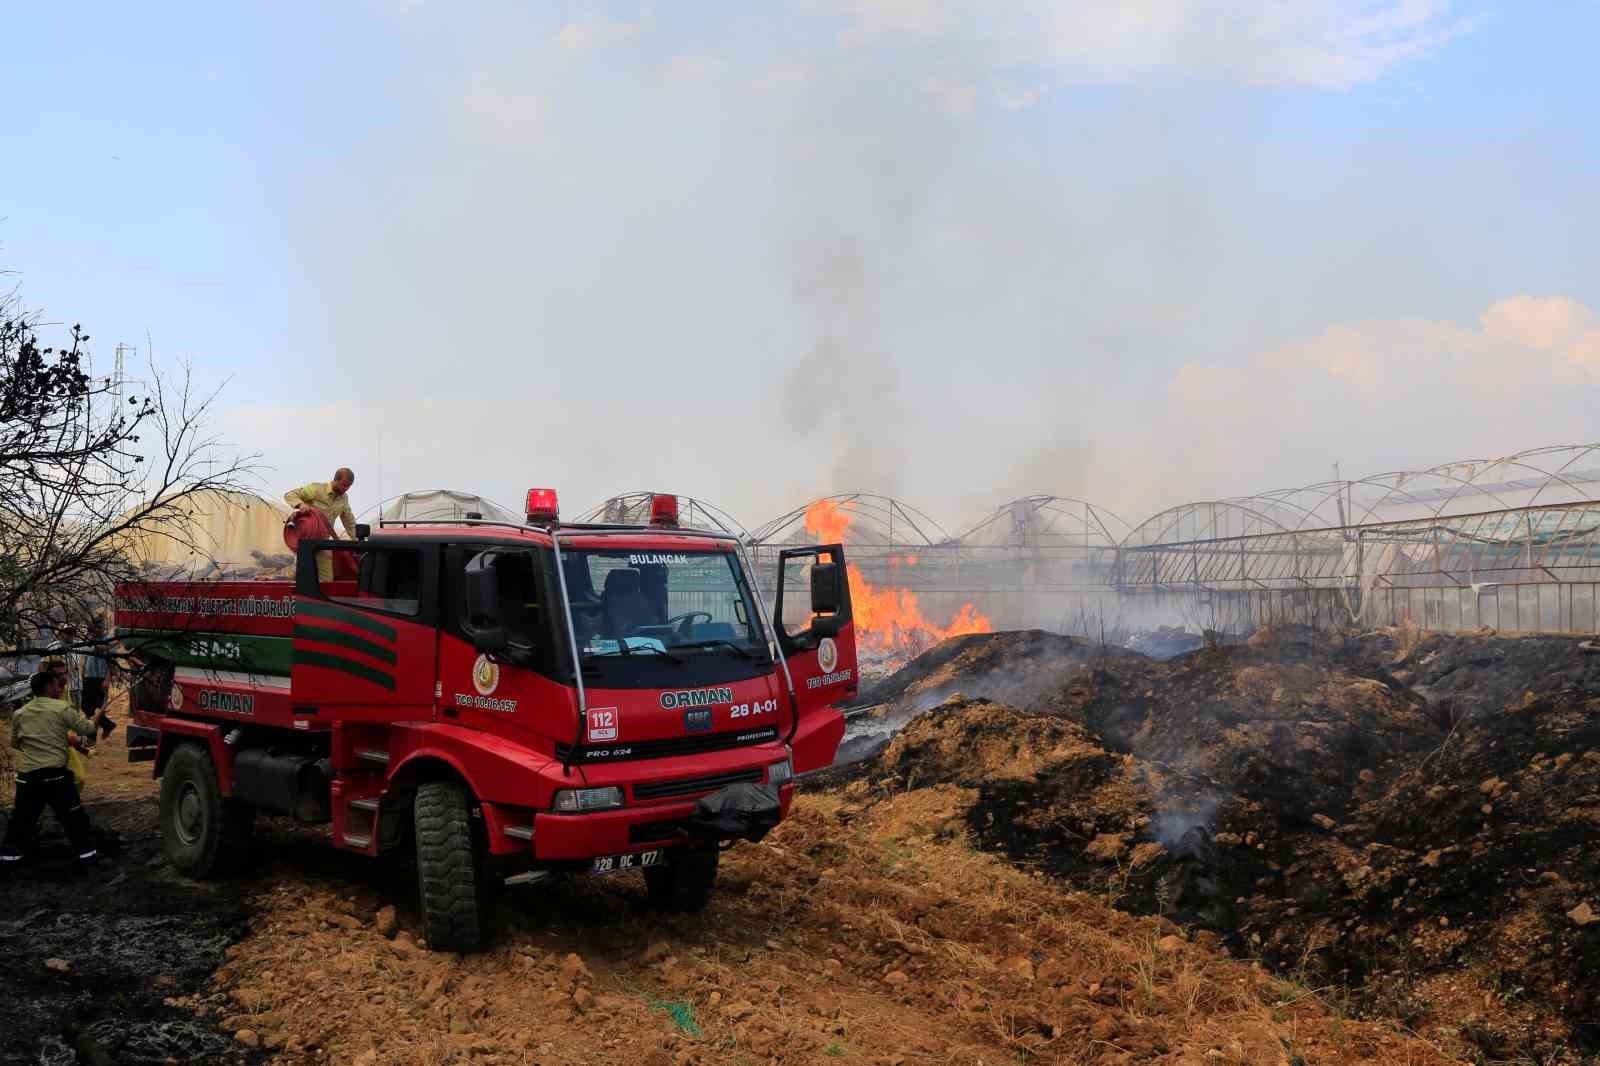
331	612
339	638
306	657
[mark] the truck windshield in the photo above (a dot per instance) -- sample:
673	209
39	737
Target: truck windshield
628	603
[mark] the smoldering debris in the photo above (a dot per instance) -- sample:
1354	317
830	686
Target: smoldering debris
1164	642
1301	797
1016	668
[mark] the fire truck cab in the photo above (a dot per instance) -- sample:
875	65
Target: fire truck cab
512	702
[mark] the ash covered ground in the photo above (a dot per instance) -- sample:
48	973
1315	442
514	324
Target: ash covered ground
1408	823
97	963
1301	849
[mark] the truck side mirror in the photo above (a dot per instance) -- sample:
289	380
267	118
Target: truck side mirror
825	598
825	625
483	606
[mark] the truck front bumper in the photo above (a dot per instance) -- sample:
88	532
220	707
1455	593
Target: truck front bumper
562	837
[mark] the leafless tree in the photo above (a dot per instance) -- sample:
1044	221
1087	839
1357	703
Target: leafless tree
82	485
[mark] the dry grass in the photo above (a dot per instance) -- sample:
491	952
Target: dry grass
815	949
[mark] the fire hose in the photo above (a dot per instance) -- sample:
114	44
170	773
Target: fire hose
312	525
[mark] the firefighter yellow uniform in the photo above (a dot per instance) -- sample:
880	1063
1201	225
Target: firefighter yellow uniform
42	730
321	497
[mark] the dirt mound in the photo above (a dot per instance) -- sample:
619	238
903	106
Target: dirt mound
1014	667
974	741
1321	819
1478	862
1469	674
1292	735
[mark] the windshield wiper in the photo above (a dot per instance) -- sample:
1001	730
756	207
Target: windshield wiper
653	650
624	649
718	642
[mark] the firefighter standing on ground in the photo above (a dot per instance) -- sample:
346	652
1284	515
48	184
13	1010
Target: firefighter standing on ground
42	730
95	667
328	499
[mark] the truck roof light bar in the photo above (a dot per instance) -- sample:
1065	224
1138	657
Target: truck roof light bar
542	507
664	510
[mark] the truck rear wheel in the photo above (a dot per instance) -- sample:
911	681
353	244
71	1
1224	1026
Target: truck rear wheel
450	877
203	833
684	884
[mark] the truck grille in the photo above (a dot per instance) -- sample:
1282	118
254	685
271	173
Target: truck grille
660	749
684	786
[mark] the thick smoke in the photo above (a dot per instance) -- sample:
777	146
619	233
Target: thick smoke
953	252
843	396
867	170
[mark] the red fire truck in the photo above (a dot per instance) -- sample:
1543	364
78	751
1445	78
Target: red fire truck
509	702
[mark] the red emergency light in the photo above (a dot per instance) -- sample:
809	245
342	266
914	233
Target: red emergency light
542	508
664	511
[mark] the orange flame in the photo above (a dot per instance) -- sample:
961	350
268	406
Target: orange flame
826	522
888	619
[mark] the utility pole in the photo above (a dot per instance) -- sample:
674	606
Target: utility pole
119	374
1338	487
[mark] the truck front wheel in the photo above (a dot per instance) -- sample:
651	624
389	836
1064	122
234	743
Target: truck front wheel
684	884
450	876
202	832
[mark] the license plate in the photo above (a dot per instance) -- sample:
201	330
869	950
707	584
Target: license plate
633	860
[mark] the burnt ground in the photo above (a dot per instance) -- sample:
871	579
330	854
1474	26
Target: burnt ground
93	959
1470	674
1410	823
1019	667
866	928
1061	877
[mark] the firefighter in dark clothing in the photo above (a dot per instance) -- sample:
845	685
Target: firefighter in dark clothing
42	730
94	666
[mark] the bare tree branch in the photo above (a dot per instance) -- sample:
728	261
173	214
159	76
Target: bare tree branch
85	490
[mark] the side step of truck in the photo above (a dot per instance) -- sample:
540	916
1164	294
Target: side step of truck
357	799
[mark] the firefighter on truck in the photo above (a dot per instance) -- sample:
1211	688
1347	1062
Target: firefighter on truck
510	702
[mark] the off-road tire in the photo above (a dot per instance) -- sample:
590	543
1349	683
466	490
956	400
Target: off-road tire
683	885
203	833
450	874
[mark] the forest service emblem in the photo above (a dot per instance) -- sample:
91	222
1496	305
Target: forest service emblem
485	676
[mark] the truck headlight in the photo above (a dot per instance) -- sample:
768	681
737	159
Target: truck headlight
575	800
780	773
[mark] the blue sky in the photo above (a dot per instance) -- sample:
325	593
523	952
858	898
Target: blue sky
1139	253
